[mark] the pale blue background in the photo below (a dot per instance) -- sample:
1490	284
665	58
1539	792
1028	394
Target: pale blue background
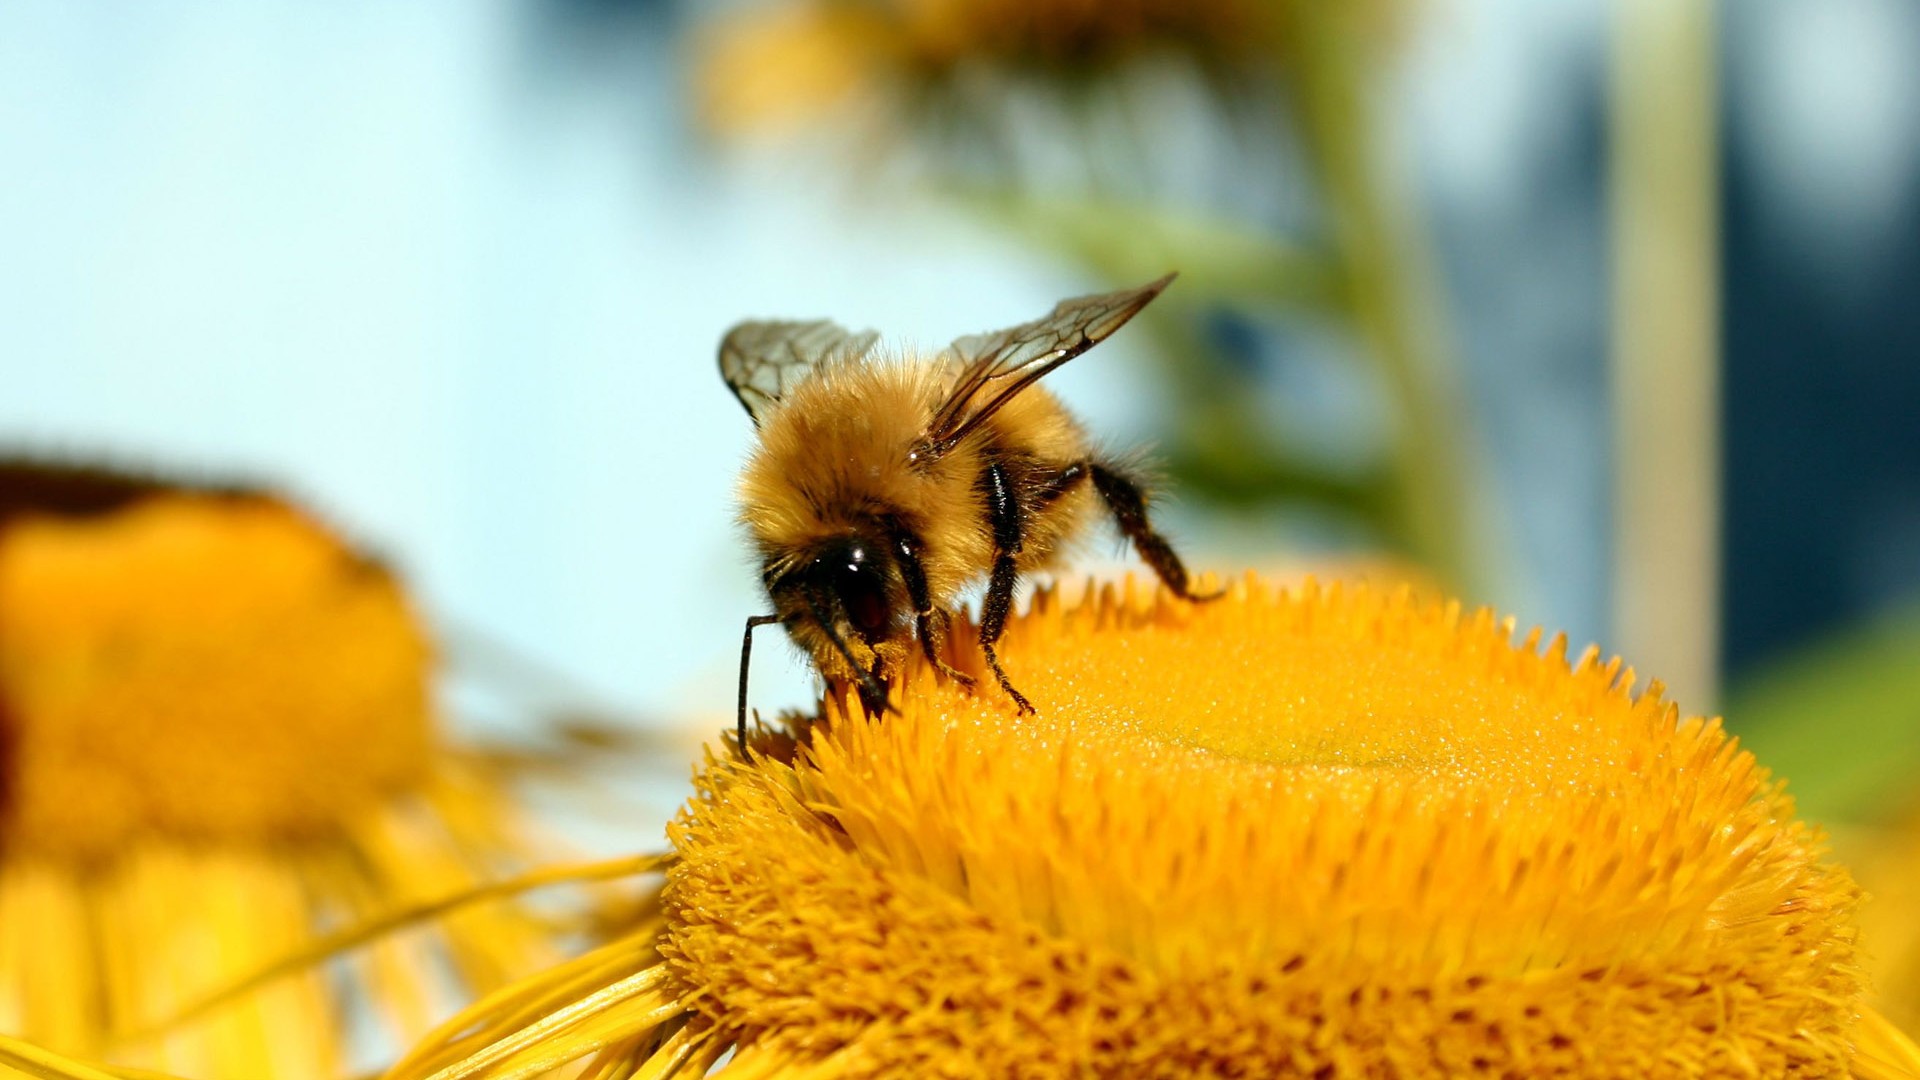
455	271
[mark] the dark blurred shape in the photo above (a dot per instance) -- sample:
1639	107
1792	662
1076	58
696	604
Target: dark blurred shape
595	12
63	489
566	41
1822	435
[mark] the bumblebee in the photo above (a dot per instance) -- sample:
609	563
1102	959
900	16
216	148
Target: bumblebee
882	487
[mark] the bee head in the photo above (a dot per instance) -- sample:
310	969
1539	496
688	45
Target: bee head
845	581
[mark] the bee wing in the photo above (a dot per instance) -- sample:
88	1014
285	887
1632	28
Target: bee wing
763	360
997	366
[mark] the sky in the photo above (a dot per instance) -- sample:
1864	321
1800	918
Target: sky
454	273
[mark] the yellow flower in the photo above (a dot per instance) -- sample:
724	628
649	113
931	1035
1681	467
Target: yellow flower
217	743
777	63
1887	859
1320	833
19	1057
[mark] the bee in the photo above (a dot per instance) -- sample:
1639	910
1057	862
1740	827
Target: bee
881	488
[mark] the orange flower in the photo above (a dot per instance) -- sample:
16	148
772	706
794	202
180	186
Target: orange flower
783	62
1887	858
1327	832
216	741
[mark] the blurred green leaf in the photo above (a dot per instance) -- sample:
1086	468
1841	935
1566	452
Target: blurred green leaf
1840	720
1223	260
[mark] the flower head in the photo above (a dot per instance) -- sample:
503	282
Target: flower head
796	60
203	664
1327	832
216	741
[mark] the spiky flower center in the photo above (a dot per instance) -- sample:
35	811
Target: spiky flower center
1273	834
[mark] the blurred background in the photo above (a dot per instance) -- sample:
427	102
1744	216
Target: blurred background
1598	312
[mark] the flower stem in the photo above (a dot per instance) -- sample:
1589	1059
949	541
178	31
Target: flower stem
1389	296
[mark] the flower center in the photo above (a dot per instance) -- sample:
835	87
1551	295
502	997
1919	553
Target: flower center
198	664
1365	765
1344	826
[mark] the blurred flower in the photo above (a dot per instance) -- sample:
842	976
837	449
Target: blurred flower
1327	832
217	741
25	1058
771	65
1887	859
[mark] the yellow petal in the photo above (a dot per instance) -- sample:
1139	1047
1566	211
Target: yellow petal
216	744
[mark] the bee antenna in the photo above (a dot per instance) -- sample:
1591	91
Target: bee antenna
746	652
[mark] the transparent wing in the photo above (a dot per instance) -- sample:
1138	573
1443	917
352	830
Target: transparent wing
996	367
763	360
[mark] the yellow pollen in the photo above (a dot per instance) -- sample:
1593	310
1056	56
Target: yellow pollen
198	665
1331	832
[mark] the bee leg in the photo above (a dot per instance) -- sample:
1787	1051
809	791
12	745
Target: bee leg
934	627
1129	507
746	652
986	643
1003	512
1068	478
928	623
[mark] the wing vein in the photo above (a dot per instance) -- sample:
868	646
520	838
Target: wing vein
1025	354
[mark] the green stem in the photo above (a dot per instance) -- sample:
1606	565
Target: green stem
1388	295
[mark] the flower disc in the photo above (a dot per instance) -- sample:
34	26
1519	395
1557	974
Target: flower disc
1321	833
199	664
